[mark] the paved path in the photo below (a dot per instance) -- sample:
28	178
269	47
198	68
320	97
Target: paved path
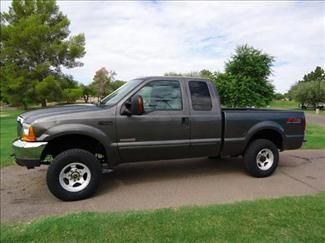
316	119
24	195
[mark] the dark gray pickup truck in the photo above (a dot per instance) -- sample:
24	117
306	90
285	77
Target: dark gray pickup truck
152	118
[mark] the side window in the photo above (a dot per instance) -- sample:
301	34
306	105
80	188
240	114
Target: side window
161	95
200	96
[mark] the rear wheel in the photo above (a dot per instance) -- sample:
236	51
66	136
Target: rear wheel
261	158
73	175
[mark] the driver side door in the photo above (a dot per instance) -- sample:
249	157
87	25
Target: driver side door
162	131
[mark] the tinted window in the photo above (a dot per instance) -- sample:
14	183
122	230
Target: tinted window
161	95
200	96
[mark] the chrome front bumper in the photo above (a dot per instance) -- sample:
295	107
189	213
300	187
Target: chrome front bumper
28	153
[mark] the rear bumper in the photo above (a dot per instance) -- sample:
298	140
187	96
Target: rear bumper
28	153
293	142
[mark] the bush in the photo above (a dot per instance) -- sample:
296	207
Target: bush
71	95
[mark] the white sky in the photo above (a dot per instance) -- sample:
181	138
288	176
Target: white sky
151	38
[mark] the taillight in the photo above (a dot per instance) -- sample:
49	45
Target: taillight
294	120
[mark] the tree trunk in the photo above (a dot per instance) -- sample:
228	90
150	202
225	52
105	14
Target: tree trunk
86	98
43	103
25	106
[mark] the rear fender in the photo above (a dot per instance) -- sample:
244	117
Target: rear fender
265	125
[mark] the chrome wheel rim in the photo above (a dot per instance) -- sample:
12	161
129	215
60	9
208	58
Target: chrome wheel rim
75	177
265	159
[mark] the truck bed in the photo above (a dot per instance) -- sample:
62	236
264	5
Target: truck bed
241	123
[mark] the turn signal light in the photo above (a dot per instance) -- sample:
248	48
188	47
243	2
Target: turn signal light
30	136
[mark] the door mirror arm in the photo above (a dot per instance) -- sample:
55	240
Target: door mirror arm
125	111
134	106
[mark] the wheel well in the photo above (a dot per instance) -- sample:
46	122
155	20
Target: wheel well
73	141
269	134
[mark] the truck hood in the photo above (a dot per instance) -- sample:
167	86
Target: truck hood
31	116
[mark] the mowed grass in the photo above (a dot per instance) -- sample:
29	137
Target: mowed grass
315	136
284	104
291	219
291	105
8	132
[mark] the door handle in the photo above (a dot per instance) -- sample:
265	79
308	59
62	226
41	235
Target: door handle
105	123
185	121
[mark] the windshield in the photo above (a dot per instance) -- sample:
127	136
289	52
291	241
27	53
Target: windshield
118	94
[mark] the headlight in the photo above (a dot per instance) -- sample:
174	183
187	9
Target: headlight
25	128
28	134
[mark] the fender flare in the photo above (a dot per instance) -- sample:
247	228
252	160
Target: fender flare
77	129
265	125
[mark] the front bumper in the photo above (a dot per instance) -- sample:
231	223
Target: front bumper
28	153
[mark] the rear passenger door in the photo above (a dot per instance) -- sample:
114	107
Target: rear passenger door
205	119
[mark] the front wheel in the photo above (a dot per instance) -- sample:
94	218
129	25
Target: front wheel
261	158
73	175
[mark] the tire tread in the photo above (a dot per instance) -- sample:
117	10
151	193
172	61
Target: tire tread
250	157
62	160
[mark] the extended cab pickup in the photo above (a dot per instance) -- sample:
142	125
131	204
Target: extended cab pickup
152	118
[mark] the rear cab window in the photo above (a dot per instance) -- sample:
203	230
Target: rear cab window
200	96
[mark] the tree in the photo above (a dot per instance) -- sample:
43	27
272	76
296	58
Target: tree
279	96
49	89
116	84
204	73
298	93
71	95
317	75
225	85
102	81
245	82
315	92
87	91
311	89
35	45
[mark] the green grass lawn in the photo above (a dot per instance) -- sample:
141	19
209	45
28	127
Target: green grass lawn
315	136
8	132
291	105
284	104
291	219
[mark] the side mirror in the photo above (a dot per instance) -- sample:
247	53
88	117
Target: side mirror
133	107
137	105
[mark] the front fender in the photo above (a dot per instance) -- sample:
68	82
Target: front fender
77	129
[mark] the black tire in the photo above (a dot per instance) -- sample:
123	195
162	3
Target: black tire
252	162
83	158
